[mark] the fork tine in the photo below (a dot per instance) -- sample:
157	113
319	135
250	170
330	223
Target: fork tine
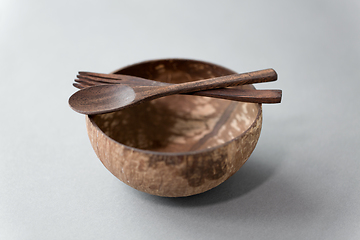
101	75
86	83
82	81
98	79
85	80
89	83
78	85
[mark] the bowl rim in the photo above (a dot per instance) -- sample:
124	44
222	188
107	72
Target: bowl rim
193	152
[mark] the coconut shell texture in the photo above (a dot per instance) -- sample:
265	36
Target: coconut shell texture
178	145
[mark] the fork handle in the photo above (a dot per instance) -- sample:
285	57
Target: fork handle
243	95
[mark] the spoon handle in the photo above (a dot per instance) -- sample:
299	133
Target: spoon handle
266	75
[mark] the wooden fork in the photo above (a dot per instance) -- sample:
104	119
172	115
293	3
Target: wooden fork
89	79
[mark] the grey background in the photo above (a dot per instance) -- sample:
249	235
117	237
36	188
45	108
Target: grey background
301	182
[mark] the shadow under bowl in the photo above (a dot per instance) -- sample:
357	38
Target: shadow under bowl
177	145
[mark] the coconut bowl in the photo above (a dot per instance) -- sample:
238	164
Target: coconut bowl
178	145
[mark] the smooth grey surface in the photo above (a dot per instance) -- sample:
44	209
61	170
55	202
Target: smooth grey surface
301	182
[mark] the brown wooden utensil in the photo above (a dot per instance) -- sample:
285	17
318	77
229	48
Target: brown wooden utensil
108	98
89	79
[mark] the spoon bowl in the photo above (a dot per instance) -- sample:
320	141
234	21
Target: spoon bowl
103	98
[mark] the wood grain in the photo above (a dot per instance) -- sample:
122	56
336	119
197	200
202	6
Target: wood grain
149	147
109	98
88	79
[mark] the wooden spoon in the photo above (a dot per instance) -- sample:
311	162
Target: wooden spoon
109	98
89	79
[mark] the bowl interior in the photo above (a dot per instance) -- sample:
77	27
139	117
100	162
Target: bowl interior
178	123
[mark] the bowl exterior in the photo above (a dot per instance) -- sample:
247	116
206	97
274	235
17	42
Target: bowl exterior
173	174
